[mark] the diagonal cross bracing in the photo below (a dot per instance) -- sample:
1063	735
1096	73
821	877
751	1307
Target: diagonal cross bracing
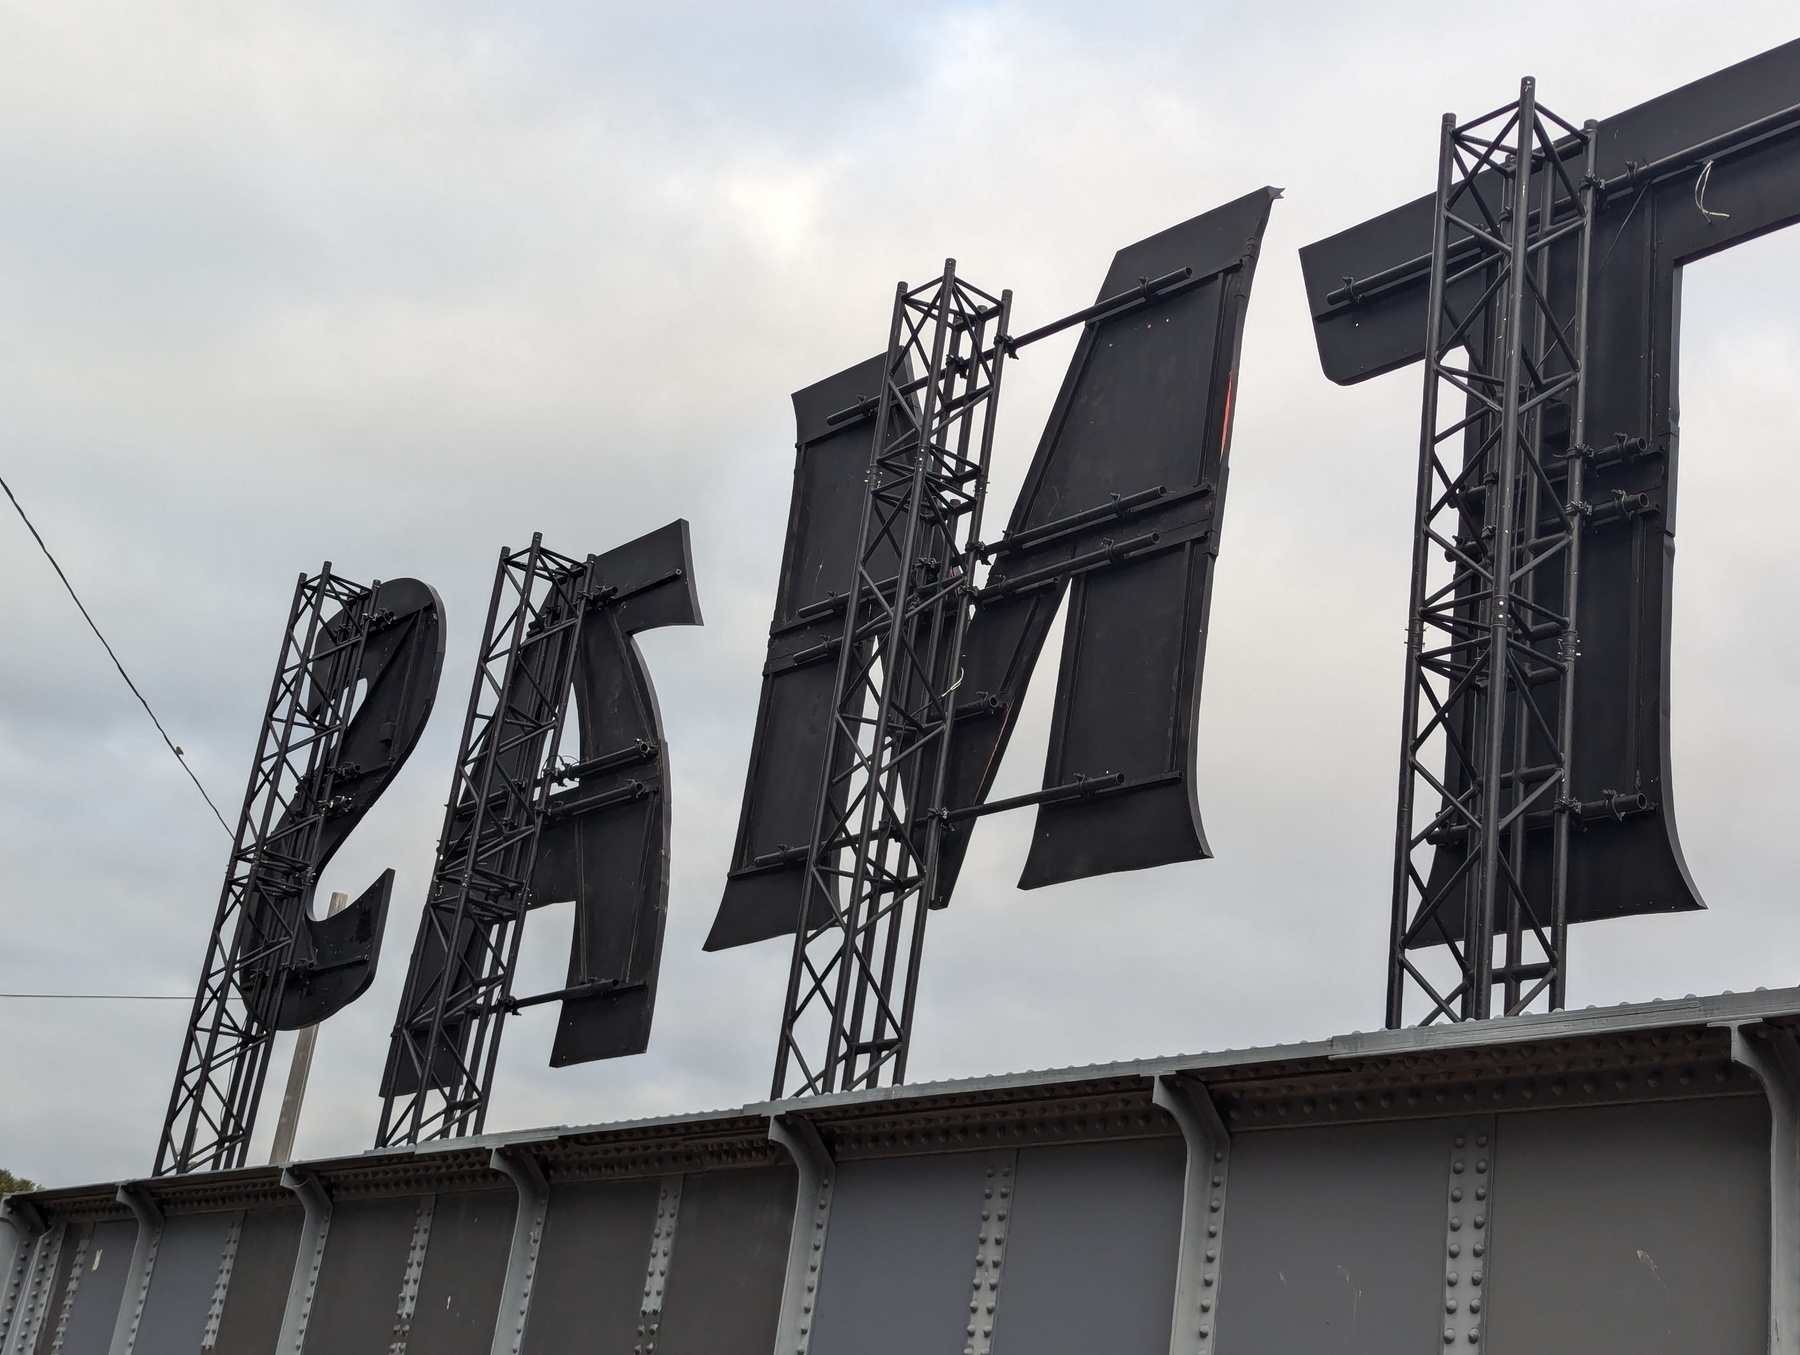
875	847
1496	563
269	879
441	1064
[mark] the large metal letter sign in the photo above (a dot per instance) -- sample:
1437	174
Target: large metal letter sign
1687	174
1120	512
330	746
1122	506
512	840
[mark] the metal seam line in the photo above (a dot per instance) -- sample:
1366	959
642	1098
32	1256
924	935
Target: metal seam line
215	1311
409	1278
990	1252
656	1267
76	1267
1467	1236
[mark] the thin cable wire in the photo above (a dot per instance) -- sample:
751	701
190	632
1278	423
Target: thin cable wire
104	997
179	755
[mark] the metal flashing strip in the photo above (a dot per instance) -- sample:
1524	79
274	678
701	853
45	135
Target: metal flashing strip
527	1240
1614	1068
806	1238
1467	1235
1198	1262
1071	1104
990	1252
76	1267
215	1310
409	1278
1774	1056
308	1258
1702	1011
143	1263
656	1268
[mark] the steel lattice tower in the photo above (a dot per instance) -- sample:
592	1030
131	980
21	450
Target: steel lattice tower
874	852
441	1069
1492	642
269	881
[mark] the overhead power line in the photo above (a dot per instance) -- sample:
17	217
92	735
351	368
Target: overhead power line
179	755
104	997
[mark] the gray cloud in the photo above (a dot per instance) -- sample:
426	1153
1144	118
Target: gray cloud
395	285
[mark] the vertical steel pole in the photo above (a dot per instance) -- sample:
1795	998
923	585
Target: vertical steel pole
1415	633
1479	933
1561	824
287	1124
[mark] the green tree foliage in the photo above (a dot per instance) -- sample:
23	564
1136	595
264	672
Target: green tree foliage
9	1183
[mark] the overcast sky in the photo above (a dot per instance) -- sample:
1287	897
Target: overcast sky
395	286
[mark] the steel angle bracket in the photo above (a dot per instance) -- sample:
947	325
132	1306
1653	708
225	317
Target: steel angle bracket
521	1167
149	1218
1120	510
1773	1054
27	1223
806	1240
309	1258
1199	1260
35	1293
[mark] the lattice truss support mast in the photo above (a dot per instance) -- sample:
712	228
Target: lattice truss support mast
880	822
1492	641
270	878
447	1038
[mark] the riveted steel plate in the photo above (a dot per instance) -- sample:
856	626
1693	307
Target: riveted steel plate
724	1291
260	1274
590	1275
359	1283
87	1326
465	1267
899	1255
1336	1239
1633	1228
1091	1250
181	1285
